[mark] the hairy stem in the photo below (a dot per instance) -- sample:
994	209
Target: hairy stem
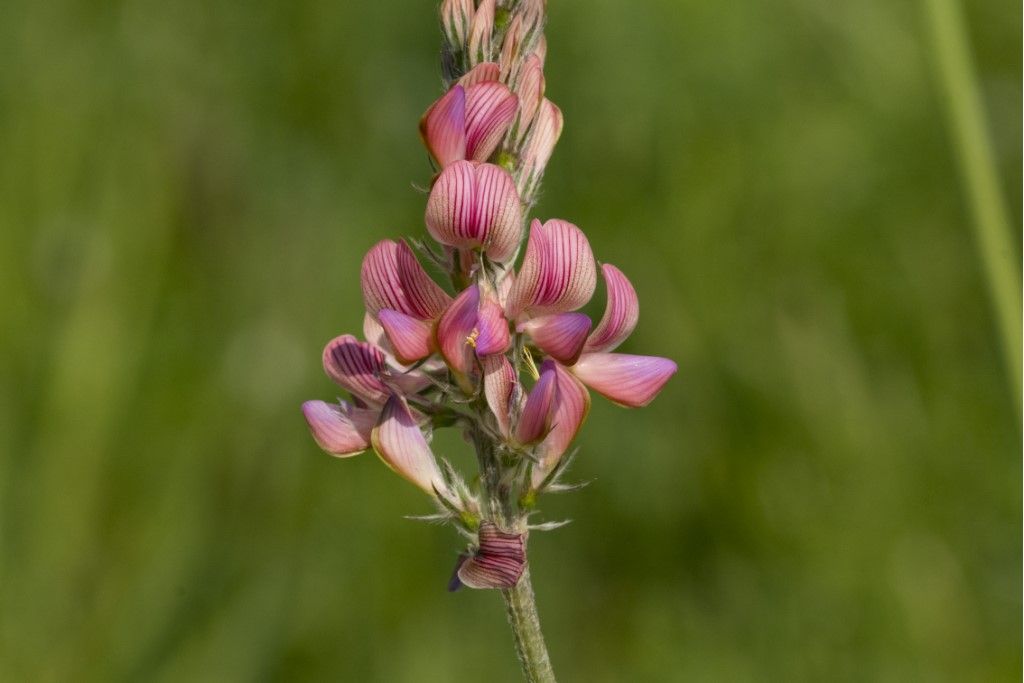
522	616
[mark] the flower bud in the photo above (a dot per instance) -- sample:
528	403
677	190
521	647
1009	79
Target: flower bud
456	17
538	148
481	33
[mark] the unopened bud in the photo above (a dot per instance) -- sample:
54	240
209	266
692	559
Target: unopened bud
538	148
456	17
481	33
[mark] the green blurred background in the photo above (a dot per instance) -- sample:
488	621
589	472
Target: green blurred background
829	490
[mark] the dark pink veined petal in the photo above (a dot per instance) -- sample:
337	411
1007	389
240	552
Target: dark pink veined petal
475	205
455	330
391	277
356	366
410	337
535	418
571	405
621	313
490	109
558	272
499	384
424	297
481	73
544	134
559	335
480	32
400	443
631	381
492	328
341	430
498	562
443	127
500	212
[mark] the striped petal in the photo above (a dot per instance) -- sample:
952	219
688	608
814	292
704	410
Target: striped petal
340	429
492	328
621	313
498	562
410	337
456	16
535	418
530	90
400	443
391	277
547	128
499	385
480	32
511	46
560	335
475	205
481	73
356	366
455	330
558	272
570	408
443	127
490	109
631	381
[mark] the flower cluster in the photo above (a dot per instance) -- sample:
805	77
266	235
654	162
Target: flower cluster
500	352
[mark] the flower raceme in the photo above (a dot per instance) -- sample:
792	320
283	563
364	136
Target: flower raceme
503	352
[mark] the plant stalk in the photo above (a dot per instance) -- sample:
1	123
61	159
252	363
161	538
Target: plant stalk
522	616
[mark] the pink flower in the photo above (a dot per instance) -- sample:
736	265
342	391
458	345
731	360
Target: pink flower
401	296
476	206
537	150
474	326
470	120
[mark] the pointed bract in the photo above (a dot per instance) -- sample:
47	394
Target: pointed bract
631	381
400	443
340	429
621	313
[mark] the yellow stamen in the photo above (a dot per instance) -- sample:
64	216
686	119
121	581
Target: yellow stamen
471	339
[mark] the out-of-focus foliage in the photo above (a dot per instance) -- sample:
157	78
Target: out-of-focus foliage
828	491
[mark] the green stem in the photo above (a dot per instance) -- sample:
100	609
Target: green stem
978	168
522	616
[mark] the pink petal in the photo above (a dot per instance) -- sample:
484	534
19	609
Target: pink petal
530	90
558	272
443	127
499	384
498	562
374	333
631	381
410	338
341	430
356	366
425	298
534	420
481	73
493	335
400	443
547	128
571	405
480	32
541	48
475	205
392	278
560	335
620	314
490	109
456	16
455	330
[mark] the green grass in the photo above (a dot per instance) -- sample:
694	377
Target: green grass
829	490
